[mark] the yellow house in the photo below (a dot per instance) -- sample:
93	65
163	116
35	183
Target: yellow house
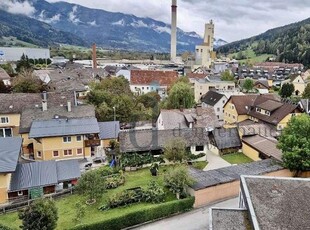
10	148
64	138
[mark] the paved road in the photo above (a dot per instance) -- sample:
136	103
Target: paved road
197	219
215	162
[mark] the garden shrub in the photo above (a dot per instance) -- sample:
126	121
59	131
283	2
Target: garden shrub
2	227
137	160
195	157
142	215
154	193
114	180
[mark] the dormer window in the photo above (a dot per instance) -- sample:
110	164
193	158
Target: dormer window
258	110
267	113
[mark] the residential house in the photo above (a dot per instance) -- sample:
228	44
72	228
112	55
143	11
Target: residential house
152	140
201	87
10	149
108	132
226	140
216	101
125	71
64	138
5	77
145	81
266	203
187	118
266	109
305	105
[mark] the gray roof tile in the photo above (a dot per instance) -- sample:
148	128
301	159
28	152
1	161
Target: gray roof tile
109	130
9	152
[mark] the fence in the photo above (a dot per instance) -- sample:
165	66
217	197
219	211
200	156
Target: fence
18	203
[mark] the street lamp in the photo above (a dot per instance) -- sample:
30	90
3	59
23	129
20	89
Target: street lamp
114	113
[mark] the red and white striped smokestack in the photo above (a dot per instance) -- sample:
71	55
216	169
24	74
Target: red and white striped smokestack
173	52
94	56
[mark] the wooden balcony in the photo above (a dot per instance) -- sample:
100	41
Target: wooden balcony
92	143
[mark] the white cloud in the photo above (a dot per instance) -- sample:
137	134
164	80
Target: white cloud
72	15
51	20
15	7
93	23
119	23
233	19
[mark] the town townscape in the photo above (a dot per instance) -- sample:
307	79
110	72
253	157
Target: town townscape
96	138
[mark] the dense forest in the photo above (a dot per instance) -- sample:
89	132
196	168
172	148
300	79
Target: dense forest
289	43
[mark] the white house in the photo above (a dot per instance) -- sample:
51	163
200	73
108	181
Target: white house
5	77
216	101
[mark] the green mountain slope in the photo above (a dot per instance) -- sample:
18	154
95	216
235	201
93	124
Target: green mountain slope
289	43
33	31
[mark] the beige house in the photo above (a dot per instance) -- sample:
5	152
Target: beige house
202	86
299	84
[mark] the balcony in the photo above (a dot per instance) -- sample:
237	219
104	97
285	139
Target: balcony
92	143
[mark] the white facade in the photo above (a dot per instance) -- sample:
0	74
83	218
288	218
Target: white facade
144	89
205	50
218	107
14	53
124	72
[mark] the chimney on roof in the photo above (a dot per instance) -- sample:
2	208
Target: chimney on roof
44	96
44	105
94	56
69	106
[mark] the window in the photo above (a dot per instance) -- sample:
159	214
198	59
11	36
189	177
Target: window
199	148
39	154
267	113
66	139
79	151
224	101
67	152
147	88
78	138
20	193
258	110
232	107
4	120
142	88
55	154
218	109
293	114
6	132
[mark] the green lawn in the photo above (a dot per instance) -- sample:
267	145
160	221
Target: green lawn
251	56
237	158
200	164
66	210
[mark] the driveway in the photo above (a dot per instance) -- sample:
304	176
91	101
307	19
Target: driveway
215	162
197	219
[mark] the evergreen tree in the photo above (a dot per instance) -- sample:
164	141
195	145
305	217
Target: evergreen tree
306	93
287	90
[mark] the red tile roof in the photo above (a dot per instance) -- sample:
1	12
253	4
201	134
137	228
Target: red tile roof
196	75
148	77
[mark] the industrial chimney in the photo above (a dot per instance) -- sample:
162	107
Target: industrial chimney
173	52
94	56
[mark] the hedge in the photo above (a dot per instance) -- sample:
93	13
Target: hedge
2	227
141	216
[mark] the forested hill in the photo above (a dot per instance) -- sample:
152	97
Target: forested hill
290	43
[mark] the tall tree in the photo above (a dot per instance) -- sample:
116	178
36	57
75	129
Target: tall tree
306	93
26	82
227	76
41	214
181	95
287	90
295	145
23	63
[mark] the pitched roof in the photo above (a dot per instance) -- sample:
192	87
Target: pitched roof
109	130
205	179
277	203
36	114
14	103
4	75
153	77
146	140
196	75
242	103
267	146
226	138
63	127
211	98
262	82
270	105
9	153
68	170
43	173
202	117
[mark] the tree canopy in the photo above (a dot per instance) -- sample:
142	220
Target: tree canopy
181	95
114	95
248	85
295	145
26	82
175	150
306	93
287	90
41	214
227	76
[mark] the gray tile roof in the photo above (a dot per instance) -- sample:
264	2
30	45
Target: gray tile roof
277	203
211	98
44	173
9	153
68	170
63	127
36	114
34	174
227	138
205	179
4	75
145	140
109	130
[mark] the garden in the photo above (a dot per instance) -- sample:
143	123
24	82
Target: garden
237	158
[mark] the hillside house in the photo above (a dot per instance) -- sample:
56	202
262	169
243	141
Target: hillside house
216	101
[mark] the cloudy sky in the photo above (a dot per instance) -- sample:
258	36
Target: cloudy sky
234	20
